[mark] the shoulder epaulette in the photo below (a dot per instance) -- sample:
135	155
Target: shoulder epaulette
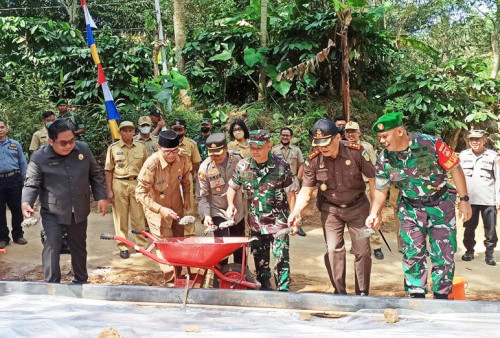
116	142
313	154
353	145
154	162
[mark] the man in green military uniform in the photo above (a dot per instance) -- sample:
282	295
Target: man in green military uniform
418	165
205	127
145	137
266	180
75	119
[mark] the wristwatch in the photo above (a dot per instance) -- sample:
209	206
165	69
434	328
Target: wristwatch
465	198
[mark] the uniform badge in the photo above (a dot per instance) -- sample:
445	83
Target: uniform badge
365	155
179	178
321	165
323	187
202	175
380	126
218	189
217	182
347	162
213	145
307	162
319	133
80	157
213	172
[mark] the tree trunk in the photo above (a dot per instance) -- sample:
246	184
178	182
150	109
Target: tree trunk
263	43
345	52
71	6
179	33
494	45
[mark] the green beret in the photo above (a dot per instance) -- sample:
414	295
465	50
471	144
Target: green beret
61	101
387	122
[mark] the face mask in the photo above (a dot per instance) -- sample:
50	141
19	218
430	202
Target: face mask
145	130
205	129
239	134
48	124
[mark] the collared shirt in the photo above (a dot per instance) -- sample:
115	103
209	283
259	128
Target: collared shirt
237	146
264	186
151	143
189	148
73	118
159	185
340	178
418	171
12	157
214	181
201	142
125	161
482	173
291	154
39	138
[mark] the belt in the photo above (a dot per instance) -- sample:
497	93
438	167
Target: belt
130	178
428	200
12	173
350	204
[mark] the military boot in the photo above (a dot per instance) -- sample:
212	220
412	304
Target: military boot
440	296
468	256
488	258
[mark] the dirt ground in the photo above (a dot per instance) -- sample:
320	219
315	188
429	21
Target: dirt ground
308	273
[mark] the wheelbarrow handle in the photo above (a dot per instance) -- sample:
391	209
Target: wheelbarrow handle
137	232
107	237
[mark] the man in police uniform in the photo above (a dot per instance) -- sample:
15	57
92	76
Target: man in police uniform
164	190
75	119
266	181
205	126
214	175
482	173
187	147
60	174
293	156
12	173
418	164
353	134
338	168
145	137
41	137
124	160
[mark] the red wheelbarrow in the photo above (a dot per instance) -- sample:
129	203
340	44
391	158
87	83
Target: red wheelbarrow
203	253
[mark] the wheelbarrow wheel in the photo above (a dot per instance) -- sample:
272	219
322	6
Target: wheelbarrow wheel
232	270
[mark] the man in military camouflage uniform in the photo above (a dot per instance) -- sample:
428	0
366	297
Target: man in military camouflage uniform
337	167
214	175
75	119
482	173
418	165
201	139
266	180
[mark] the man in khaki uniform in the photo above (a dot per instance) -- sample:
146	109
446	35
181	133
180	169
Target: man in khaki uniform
164	190
214	175
293	156
41	137
353	134
188	148
124	160
145	137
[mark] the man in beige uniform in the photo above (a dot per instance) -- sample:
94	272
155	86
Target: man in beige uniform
124	160
41	137
164	190
293	156
188	148
353	134
145	137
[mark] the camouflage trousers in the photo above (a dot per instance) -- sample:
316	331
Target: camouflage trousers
437	222
261	256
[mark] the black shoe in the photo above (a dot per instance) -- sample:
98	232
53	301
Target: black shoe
21	241
468	256
378	254
490	260
266	286
124	254
301	232
3	244
417	295
439	296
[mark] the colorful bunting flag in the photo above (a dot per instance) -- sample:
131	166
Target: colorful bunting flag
113	114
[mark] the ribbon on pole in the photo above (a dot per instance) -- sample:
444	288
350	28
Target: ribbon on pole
111	110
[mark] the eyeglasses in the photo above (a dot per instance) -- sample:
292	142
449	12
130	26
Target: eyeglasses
167	151
237	128
65	143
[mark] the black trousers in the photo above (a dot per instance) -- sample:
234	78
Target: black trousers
77	240
489	216
10	195
237	230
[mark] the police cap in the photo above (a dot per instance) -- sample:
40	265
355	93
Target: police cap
216	144
323	131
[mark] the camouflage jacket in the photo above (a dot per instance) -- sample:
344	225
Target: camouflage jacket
264	187
202	146
418	171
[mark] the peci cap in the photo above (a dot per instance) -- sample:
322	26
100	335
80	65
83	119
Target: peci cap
387	122
259	137
126	124
61	101
216	144
205	121
168	139
476	133
144	120
351	125
323	131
